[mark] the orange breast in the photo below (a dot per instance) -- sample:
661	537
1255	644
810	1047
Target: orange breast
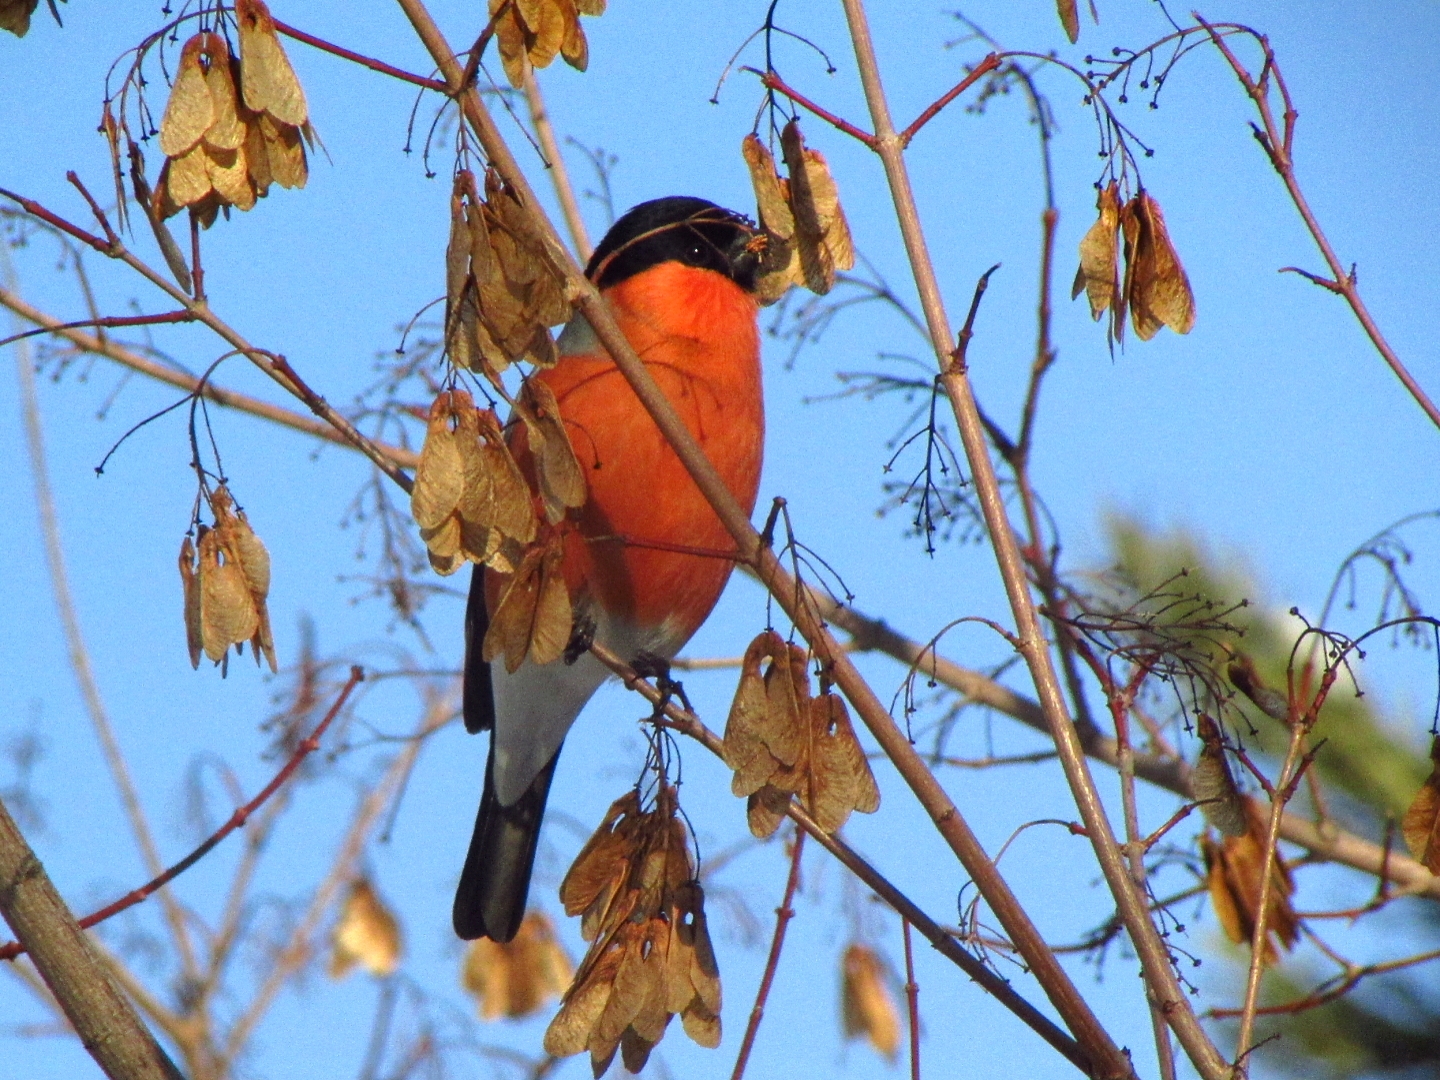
647	546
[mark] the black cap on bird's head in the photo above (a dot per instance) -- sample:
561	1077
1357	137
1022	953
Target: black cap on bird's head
680	229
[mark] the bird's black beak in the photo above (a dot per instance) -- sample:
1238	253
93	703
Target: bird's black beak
744	255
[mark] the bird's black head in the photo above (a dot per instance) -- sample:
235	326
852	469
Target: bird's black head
680	229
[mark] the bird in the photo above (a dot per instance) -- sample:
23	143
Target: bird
645	556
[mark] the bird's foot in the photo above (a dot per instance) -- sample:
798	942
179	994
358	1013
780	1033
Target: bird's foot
650	666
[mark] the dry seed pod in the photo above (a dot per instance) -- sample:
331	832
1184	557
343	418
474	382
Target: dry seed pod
1098	273
516	978
1421	825
534	32
1233	874
228	130
267	80
496	494
190	112
15	15
780	261
244	550
227	610
1213	785
285	152
840	779
562	482
771	199
533	619
440	476
1245	678
367	933
1069	18
651	957
1156	286
821	231
780	741
867	1006
190	580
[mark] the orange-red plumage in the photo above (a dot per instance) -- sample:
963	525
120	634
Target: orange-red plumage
696	332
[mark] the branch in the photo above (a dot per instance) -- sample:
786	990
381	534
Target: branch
307	747
555	165
1277	145
783	914
107	1024
273	364
79	656
191	384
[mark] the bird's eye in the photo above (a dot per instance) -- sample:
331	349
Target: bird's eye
695	254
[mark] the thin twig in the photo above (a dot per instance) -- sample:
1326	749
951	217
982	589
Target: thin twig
1277	145
783	914
912	1002
364	61
241	815
296	951
112	350
555	165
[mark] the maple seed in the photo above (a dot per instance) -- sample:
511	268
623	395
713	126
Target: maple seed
633	884
866	1004
1212	784
517	978
822	233
562	481
1233	875
1245	678
1156	286
1069	18
805	237
267	80
533	619
781	742
15	15
220	150
367	933
1421	826
1098	274
533	32
469	499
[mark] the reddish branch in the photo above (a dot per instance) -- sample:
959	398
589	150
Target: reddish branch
237	819
989	64
783	914
1277	143
357	58
772	81
912	1003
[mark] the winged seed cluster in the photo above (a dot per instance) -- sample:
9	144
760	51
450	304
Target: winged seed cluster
633	884
782	742
232	127
226	580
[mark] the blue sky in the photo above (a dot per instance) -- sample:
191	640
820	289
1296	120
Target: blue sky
1273	429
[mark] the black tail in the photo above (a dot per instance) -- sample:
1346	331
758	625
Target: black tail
490	901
